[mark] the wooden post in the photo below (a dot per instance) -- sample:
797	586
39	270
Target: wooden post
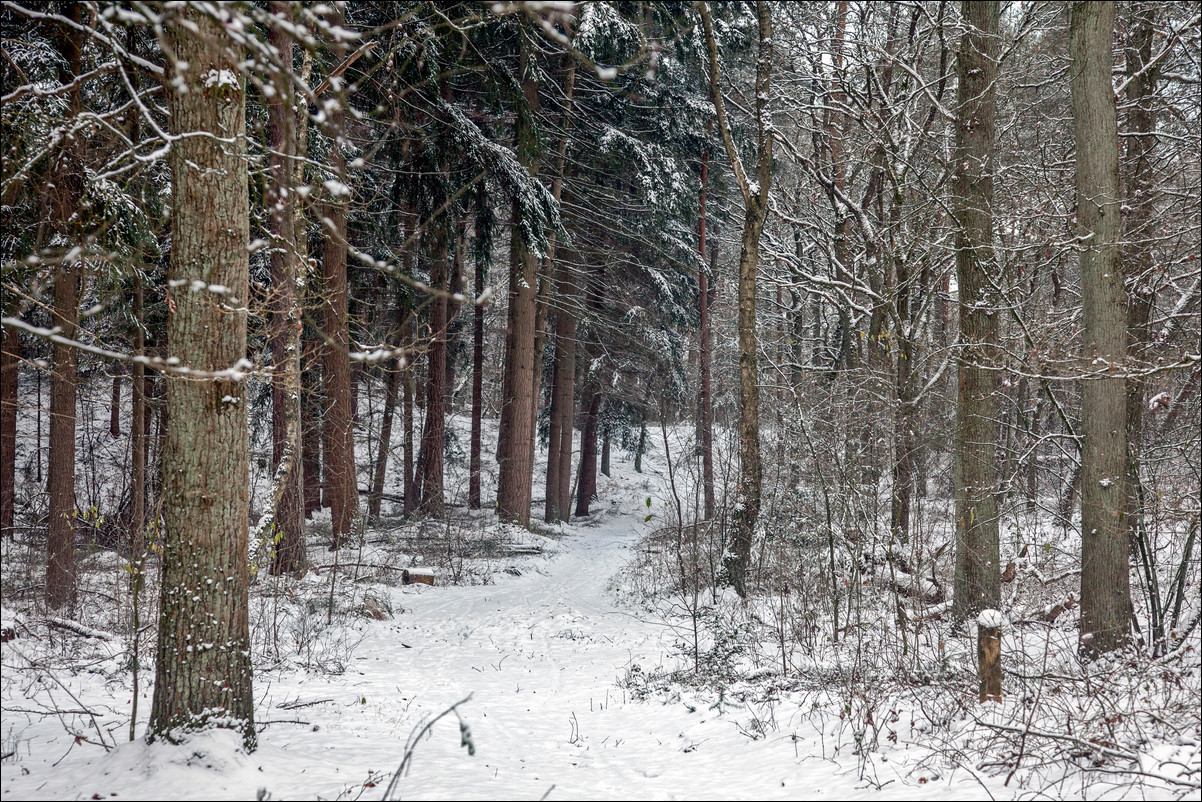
989	654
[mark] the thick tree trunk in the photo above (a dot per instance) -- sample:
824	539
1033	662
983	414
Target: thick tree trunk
338	442
977	576
434	432
68	192
1105	542
515	450
10	360
286	450
586	481
203	668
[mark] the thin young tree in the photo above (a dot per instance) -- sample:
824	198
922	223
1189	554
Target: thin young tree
203	670
755	202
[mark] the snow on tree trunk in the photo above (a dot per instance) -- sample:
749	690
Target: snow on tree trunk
203	670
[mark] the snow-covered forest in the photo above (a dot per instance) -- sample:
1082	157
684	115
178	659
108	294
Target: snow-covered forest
601	399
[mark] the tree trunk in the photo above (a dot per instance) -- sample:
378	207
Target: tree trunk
407	391
515	450
203	668
286	450
1139	198
115	405
311	429
138	430
391	386
474	457
434	432
68	192
9	371
977	575
705	398
586	481
559	443
755	201
339	440
1105	542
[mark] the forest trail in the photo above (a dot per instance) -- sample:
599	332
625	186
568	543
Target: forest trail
544	656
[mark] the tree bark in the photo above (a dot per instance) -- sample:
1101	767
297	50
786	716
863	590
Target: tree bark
9	375
559	443
286	451
978	576
339	440
755	201
515	450
1105	541
586	481
68	192
1140	199
705	398
434	432
474	456
203	668
115	405
138	430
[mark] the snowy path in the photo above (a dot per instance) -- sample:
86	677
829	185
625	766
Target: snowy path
542	655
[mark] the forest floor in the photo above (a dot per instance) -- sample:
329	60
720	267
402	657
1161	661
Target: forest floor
550	660
576	686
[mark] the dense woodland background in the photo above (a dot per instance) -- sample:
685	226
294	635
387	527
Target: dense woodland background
906	294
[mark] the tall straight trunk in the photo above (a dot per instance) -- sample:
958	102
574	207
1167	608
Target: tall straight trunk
137	430
407	391
977	575
286	450
203	667
60	565
559	443
311	423
705	399
849	346
392	382
10	360
339	440
1139	197
755	202
586	481
474	456
1105	542
455	286
434	432
547	275
516	447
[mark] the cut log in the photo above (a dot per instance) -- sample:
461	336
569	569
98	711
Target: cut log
416	576
989	655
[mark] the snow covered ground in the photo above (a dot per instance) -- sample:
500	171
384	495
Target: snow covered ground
568	677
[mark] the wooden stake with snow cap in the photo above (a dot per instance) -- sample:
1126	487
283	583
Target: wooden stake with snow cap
989	654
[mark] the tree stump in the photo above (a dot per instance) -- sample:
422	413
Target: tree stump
989	654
